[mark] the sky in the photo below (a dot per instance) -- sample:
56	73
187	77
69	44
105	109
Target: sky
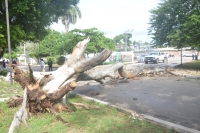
114	17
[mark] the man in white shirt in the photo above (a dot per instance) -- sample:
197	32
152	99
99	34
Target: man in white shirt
42	65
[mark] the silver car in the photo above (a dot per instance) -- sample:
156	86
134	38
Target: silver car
141	58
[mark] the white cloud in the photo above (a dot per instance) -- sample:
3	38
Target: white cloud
114	17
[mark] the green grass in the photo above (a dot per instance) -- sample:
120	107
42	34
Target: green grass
8	90
194	65
102	120
109	63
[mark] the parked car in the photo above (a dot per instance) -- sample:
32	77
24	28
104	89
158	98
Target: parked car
187	54
155	57
141	58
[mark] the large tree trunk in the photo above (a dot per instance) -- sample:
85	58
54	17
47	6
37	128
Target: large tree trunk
45	89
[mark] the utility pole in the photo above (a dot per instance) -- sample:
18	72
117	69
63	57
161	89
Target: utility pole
8	34
126	41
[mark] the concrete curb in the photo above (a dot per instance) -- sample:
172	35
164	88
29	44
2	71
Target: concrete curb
166	124
170	125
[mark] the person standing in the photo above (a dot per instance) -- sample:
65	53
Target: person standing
14	62
4	64
196	55
193	56
42	65
50	63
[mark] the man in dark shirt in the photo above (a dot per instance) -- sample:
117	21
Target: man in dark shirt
50	64
14	62
4	64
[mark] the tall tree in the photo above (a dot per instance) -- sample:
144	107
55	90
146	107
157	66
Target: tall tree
191	30
168	22
71	16
29	19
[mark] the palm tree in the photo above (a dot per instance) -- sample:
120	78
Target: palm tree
71	16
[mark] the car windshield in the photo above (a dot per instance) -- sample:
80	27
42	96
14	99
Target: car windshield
153	54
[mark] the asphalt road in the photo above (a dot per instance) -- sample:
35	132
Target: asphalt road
172	99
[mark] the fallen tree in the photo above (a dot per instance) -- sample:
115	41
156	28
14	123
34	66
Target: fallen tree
44	90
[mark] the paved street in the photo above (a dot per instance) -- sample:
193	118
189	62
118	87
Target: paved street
35	68
168	98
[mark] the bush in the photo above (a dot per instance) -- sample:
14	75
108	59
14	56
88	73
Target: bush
3	73
61	60
52	58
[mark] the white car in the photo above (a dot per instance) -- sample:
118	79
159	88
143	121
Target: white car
187	54
6	60
155	57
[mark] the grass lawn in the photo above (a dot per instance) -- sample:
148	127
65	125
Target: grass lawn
102	120
8	90
194	65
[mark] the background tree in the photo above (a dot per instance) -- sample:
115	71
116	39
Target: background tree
170	22
48	45
97	40
122	40
13	55
56	43
29	19
71	16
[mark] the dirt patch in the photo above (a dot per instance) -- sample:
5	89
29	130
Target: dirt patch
186	72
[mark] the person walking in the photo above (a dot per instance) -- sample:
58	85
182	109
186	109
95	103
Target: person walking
50	64
42	65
